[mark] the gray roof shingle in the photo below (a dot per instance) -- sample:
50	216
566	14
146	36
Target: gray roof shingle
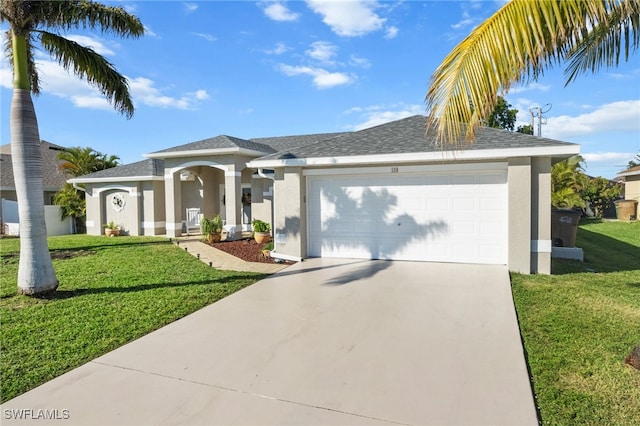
219	142
145	168
283	143
53	178
404	136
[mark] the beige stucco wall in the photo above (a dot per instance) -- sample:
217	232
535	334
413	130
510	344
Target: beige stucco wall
632	190
129	218
290	212
519	195
143	213
153	211
541	215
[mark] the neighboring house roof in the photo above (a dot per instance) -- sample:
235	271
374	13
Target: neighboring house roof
142	170
218	145
53	178
401	140
631	171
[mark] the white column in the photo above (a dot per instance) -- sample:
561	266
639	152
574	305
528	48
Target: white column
173	205
232	189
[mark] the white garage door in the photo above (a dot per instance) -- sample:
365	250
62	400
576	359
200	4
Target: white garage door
441	215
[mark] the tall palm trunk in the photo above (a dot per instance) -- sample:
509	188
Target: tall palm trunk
35	269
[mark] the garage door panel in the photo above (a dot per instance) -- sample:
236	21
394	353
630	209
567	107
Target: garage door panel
455	217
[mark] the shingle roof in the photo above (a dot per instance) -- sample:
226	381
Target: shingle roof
219	142
631	171
145	168
406	136
282	143
53	178
403	136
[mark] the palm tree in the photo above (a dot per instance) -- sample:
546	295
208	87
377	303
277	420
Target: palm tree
32	21
79	161
517	44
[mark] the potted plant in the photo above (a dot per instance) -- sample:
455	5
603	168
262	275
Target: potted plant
567	181
111	229
211	229
261	231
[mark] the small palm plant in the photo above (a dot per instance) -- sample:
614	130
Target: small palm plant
211	229
566	183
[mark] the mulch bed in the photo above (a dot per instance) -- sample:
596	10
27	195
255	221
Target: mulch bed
246	249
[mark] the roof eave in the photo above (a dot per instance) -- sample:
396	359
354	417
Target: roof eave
560	151
113	179
201	152
625	174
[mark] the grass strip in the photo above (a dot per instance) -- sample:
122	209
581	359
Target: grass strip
579	325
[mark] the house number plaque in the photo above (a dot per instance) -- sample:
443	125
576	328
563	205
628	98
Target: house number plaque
394	170
117	202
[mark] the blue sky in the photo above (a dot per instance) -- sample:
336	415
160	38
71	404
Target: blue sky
256	69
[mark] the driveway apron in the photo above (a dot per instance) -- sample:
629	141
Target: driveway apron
325	341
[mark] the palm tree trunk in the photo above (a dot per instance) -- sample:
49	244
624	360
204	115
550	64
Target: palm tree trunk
35	269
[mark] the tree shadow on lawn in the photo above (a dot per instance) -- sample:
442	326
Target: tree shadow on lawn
601	254
67	294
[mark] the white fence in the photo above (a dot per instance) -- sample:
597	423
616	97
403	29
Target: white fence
55	225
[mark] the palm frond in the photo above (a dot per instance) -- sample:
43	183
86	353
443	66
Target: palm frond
91	66
516	44
88	14
603	45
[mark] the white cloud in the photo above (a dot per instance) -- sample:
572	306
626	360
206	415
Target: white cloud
392	32
348	18
143	91
279	12
322	79
278	50
375	115
201	95
93	43
616	116
206	36
6	75
56	81
528	87
323	52
359	62
465	22
190	7
148	32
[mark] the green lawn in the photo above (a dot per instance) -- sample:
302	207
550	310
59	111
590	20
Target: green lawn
578	326
112	291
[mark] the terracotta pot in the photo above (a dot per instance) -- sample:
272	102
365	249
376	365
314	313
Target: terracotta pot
111	232
261	237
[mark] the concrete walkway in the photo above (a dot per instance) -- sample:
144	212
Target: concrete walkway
222	260
326	342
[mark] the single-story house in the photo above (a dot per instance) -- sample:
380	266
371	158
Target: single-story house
53	177
631	178
53	180
385	192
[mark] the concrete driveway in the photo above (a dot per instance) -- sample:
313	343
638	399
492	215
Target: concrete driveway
332	342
